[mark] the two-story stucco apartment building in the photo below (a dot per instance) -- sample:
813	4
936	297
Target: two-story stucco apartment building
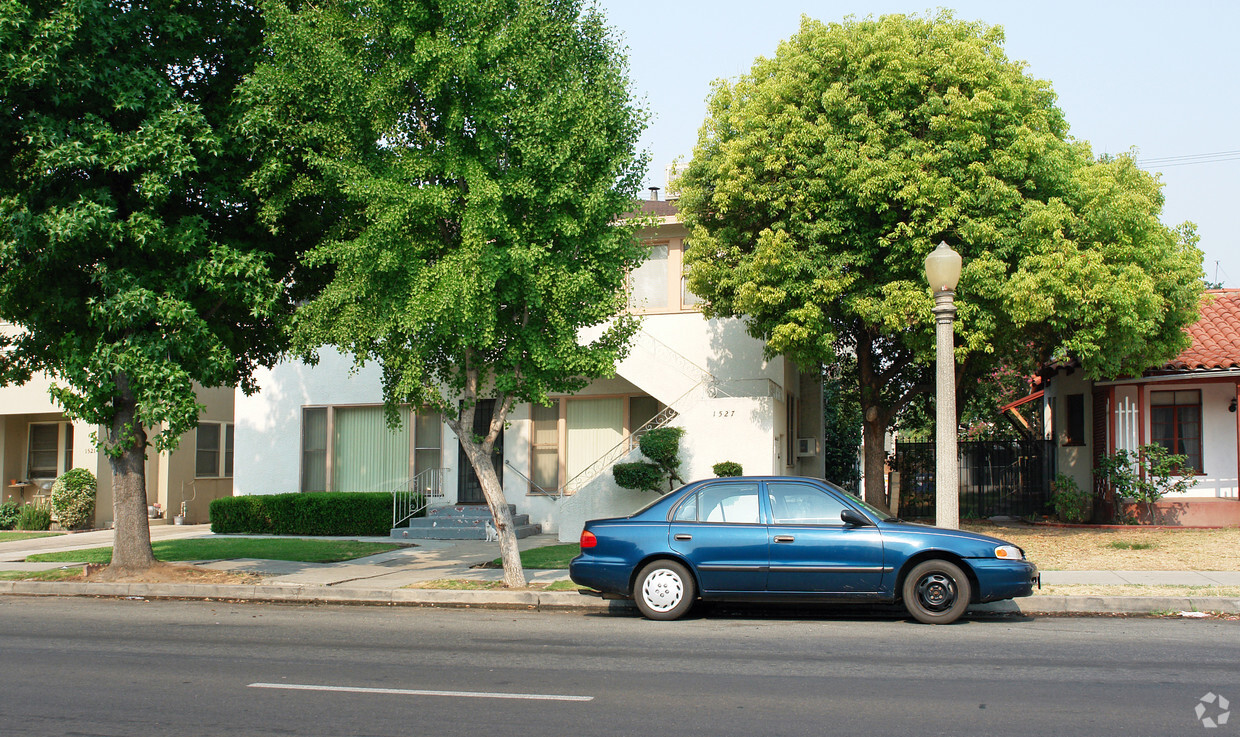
321	427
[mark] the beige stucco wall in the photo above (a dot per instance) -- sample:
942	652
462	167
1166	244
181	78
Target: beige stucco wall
167	474
1073	461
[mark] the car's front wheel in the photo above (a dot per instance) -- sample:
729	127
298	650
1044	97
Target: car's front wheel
664	590
936	592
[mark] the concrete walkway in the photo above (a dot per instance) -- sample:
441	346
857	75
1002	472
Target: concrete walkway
381	578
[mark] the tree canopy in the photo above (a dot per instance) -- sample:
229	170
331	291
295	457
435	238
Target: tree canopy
484	150
131	258
824	176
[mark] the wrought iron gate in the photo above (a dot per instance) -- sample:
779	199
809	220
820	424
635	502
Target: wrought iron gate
997	478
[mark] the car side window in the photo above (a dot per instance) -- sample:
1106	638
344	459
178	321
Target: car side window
735	503
803	504
687	511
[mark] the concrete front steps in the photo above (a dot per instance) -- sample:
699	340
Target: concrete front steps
460	522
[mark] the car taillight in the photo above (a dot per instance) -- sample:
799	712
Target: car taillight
588	540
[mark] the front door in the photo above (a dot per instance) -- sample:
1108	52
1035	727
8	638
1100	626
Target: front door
469	489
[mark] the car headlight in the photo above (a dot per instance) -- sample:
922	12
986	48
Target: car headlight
1009	552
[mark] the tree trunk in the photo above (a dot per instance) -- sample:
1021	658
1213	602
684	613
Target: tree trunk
872	433
874	419
479	454
510	554
131	547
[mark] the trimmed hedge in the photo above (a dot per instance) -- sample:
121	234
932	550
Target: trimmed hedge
639	475
317	513
662	445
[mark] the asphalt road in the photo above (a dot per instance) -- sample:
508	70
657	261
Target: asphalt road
109	667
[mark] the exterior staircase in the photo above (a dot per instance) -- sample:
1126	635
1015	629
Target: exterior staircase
460	522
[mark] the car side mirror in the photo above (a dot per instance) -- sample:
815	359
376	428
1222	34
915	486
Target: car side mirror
855	518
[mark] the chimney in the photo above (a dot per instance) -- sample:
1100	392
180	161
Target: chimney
654	194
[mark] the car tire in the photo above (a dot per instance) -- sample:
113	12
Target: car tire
936	592
664	590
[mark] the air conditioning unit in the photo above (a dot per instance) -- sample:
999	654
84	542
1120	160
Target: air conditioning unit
807	447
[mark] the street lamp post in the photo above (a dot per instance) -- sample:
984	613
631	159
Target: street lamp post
943	273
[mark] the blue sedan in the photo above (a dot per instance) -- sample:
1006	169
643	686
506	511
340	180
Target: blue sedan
791	539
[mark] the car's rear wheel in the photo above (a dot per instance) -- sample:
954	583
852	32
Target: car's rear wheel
936	592
664	590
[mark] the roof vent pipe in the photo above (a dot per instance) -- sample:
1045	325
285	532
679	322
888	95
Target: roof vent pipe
654	194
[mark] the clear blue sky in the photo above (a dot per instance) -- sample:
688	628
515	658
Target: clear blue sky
1163	77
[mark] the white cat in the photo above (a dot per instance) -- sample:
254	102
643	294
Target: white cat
492	533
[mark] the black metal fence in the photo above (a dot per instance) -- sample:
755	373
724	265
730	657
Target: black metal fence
997	477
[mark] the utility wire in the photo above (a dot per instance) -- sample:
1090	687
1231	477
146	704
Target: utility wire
1189	159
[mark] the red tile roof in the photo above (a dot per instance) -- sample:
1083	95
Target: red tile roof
1216	335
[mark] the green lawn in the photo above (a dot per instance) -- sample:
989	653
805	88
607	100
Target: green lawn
548	557
6	536
297	549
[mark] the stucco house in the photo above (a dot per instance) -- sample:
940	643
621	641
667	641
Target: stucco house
1188	405
38	444
320	428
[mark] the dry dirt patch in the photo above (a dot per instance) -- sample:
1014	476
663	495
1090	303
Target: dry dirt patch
168	573
1121	549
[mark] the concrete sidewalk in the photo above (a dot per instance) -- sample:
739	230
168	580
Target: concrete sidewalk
381	579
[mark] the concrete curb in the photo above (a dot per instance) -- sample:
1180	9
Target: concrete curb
558	600
488	599
1126	604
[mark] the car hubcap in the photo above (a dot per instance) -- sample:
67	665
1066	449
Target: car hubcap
936	592
662	590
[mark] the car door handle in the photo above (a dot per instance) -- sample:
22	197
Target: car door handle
784	538
682	536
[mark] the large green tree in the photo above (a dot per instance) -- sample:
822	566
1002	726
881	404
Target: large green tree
485	150
823	178
131	259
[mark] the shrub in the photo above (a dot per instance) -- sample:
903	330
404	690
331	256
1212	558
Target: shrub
1147	475
318	513
9	512
639	475
728	468
73	498
1071	504
662	447
35	517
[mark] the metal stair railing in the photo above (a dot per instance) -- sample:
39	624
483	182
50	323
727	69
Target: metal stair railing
620	450
415	495
625	446
669	355
735	388
541	491
715	387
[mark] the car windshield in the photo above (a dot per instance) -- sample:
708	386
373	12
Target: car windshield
872	510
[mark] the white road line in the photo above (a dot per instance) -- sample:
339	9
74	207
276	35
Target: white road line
419	692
